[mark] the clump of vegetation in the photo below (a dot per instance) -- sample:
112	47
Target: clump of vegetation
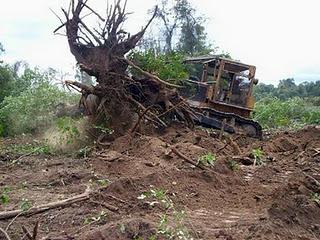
208	159
4	197
25	204
35	148
67	126
258	156
316	198
69	136
32	110
233	165
101	216
291	113
168	66
171	226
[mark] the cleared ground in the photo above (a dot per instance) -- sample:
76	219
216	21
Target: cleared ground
231	200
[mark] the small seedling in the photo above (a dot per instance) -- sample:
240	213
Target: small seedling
207	159
103	182
233	165
25	204
316	198
4	197
159	195
84	152
257	155
105	130
167	227
101	216
122	228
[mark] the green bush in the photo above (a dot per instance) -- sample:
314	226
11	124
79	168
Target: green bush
294	112
32	109
167	66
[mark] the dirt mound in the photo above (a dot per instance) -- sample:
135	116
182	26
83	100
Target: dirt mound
294	207
146	190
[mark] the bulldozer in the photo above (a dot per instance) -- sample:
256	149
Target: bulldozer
224	95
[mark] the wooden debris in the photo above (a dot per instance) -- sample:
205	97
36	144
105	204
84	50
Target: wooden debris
5	234
45	207
179	154
106	205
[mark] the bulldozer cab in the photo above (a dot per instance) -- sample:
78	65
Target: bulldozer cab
225	85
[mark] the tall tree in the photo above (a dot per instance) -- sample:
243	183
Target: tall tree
181	29
193	39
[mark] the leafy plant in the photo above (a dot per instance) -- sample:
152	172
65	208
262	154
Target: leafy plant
4	197
316	198
291	113
25	204
233	165
99	217
170	228
29	148
258	156
67	126
31	110
104	129
207	159
84	152
168	66
103	182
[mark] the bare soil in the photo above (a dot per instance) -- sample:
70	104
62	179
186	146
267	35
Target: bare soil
269	201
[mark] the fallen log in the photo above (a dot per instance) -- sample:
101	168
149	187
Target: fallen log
45	207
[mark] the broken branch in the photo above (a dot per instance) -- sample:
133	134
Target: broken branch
38	209
179	154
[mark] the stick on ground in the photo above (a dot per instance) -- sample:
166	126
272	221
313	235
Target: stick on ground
45	207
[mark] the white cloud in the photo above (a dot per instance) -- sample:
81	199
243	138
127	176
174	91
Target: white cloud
280	37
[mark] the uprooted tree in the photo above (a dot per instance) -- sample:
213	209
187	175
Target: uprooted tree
118	100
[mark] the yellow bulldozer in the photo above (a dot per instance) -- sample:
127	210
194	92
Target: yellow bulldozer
224	95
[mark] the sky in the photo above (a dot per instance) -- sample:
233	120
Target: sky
280	37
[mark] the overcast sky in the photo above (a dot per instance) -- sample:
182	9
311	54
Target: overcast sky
280	37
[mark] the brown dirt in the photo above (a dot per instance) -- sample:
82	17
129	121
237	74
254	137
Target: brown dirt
271	201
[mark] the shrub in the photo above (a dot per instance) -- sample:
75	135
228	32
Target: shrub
33	109
207	159
275	113
167	66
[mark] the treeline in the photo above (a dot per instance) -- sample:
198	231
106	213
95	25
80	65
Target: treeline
287	88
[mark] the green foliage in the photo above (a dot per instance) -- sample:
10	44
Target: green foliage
180	29
103	182
7	81
67	126
4	197
33	109
258	156
168	66
295	112
233	165
101	216
207	159
29	148
25	204
84	152
193	39
287	89
168	227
